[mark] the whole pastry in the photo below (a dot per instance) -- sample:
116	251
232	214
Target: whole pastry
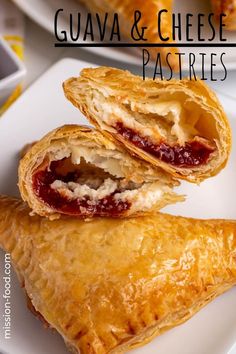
111	285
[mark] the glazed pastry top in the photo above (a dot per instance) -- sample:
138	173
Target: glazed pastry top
109	285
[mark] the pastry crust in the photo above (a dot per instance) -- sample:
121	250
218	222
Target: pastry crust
227	7
154	187
149	10
110	285
170	112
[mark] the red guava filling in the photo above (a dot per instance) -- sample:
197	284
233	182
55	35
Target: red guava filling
192	154
42	180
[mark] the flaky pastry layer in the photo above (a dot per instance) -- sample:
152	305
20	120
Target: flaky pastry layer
75	170
179	126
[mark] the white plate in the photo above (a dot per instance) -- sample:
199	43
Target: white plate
43	12
43	107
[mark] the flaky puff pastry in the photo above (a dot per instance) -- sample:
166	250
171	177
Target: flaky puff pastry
110	285
178	125
228	8
149	10
75	170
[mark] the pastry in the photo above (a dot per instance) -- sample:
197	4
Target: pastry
75	170
110	285
149	10
26	148
227	7
179	126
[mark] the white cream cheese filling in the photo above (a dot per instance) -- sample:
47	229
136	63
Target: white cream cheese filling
141	198
104	176
73	190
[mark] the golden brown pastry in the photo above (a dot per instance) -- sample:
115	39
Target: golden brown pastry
149	10
75	170
179	126
110	285
25	149
227	7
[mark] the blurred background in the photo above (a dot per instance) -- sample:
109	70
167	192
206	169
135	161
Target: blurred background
32	20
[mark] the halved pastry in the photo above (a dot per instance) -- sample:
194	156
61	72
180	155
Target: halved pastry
179	126
75	170
108	286
228	8
149	10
